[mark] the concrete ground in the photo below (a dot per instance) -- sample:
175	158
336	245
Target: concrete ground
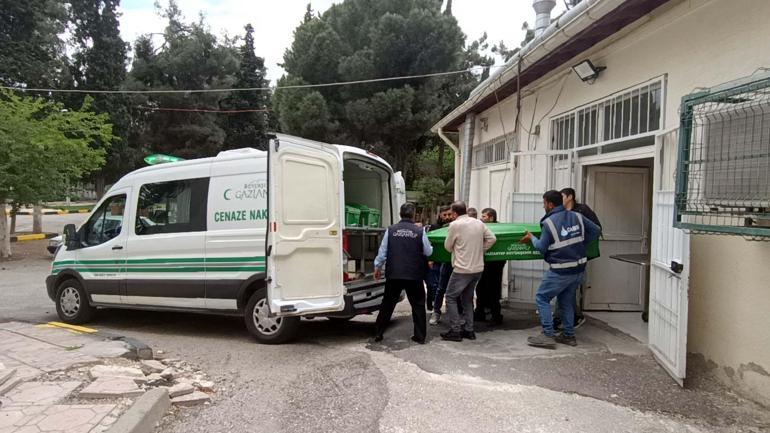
334	378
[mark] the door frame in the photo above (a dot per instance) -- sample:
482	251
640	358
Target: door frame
645	241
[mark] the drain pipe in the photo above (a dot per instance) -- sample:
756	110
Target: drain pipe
456	152
469	132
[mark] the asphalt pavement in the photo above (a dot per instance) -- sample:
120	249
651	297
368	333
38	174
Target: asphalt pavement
335	378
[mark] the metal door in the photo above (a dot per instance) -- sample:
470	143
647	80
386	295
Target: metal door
669	270
620	197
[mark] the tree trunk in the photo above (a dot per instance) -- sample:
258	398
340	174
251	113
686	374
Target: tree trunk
99	186
5	236
14	209
37	219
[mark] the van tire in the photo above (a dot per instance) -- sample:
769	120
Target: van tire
72	303
264	329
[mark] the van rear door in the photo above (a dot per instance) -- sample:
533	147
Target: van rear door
304	242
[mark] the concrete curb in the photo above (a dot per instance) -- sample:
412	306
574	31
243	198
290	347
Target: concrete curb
146	411
54	212
33	237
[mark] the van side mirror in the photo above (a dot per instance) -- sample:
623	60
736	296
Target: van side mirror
71	237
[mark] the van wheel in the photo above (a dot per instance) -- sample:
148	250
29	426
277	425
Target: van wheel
266	329
72	304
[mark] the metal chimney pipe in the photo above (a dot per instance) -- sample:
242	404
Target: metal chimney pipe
543	10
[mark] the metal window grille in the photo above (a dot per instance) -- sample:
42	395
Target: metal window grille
723	168
627	115
492	152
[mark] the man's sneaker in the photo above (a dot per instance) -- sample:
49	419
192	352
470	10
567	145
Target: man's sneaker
435	318
378	338
417	340
469	335
452	336
579	321
542	340
563	339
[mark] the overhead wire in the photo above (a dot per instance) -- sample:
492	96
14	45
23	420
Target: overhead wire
250	89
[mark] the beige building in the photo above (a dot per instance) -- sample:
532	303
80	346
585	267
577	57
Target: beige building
615	138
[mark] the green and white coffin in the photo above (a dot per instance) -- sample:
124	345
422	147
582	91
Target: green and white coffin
507	246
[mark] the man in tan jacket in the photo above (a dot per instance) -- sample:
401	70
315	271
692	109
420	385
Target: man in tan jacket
468	239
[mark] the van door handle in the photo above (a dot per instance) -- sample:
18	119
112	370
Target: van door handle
117	247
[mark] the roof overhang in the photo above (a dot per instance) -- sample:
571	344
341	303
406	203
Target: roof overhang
535	65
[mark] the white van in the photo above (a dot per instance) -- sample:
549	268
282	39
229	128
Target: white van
248	232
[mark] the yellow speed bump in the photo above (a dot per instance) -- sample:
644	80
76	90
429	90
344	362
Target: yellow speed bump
32	237
75	328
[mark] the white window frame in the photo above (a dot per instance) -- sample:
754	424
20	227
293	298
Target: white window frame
599	105
492	154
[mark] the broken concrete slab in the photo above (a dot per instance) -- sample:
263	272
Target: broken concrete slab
168	373
117	372
39	393
206	386
107	349
180	390
112	387
152	366
193	399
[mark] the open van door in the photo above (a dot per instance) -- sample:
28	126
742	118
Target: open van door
304	241
400	189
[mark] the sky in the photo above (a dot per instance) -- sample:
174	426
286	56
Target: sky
274	21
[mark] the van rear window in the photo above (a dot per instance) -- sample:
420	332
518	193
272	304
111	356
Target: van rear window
172	207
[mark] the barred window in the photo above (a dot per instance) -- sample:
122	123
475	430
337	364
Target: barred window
492	152
628	115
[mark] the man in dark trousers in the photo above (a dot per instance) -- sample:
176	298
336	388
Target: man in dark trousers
563	240
433	277
570	203
445	271
490	285
404	250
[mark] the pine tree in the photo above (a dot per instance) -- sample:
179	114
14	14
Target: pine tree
99	63
248	129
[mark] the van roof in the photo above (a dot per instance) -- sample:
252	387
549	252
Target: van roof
249	152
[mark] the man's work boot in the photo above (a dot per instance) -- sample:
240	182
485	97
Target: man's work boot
542	340
452	336
468	335
563	339
435	318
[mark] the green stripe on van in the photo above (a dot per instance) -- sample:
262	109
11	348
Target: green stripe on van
190	269
162	260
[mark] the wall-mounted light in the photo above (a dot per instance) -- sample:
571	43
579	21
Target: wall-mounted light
587	71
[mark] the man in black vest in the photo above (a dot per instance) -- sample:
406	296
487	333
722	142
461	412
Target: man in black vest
405	249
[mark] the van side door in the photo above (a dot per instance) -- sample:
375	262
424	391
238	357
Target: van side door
304	242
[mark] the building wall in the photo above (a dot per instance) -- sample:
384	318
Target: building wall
692	43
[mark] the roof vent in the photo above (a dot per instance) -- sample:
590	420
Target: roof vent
543	10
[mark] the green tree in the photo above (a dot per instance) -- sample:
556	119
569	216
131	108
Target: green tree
191	57
31	127
99	63
365	39
248	129
31	52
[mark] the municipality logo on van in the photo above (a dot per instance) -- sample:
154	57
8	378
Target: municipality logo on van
250	191
565	231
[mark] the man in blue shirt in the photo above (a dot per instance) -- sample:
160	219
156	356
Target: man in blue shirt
563	240
405	249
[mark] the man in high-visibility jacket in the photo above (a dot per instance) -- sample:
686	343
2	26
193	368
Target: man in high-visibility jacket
563	240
